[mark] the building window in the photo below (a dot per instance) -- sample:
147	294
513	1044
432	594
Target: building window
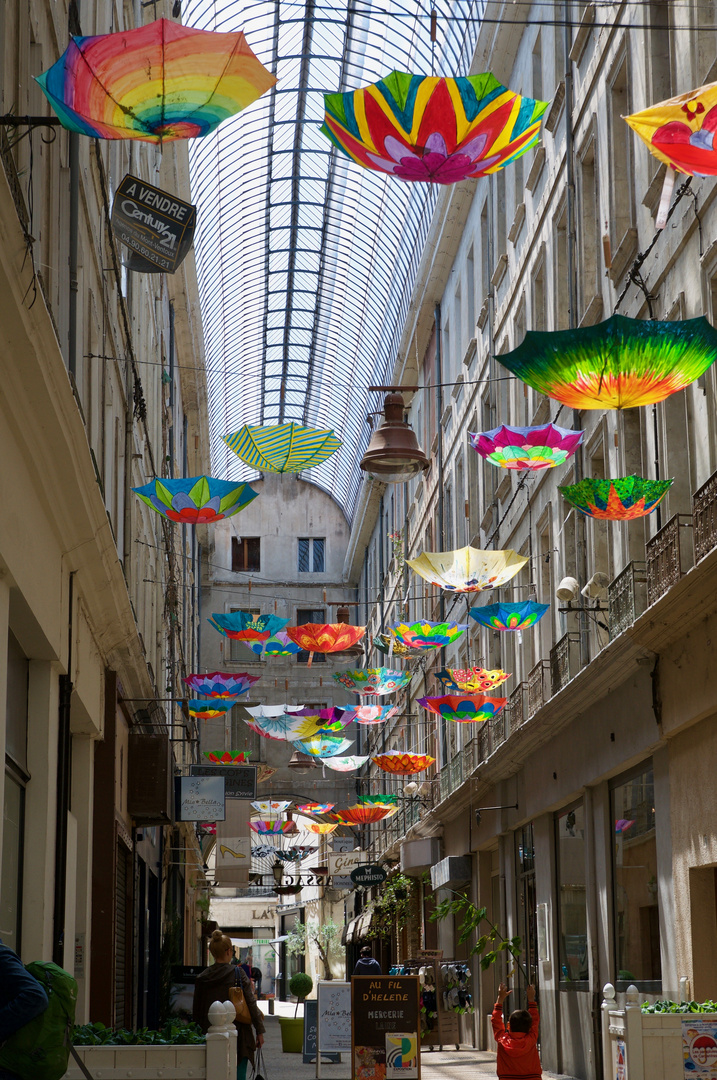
310	615
246	553
636	914
526	899
621	186
312	555
588	279
572	907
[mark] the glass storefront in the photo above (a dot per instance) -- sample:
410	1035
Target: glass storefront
572	905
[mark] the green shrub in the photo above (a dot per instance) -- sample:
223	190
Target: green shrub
174	1033
300	985
667	1006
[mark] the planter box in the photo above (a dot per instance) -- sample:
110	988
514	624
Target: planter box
142	1063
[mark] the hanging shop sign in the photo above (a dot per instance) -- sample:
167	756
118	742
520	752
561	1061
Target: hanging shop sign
240	779
368	875
200	798
157	227
233	851
385	1027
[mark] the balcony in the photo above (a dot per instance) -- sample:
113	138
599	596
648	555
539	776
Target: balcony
497	731
564	661
538	687
627	597
515	709
668	556
704	518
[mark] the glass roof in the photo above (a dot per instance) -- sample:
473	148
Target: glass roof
306	260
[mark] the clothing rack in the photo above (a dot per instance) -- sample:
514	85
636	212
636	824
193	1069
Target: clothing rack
444	1027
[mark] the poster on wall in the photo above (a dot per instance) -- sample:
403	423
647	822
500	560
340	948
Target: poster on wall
385	1026
699	1048
157	227
200	798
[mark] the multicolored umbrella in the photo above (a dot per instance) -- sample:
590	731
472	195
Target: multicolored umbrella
388	644
320	746
320	828
427	635
279	722
246	627
616	364
622	499
526	447
269	827
196	500
517	616
377	681
470	680
218	684
468	569
295	853
325	637
680	131
362	815
271	806
263	851
208	710
227	757
377	800
464	708
403	764
279	644
159	82
345	764
431	129
315	808
369	714
282	447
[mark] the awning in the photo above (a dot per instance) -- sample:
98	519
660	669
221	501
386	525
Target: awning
357	928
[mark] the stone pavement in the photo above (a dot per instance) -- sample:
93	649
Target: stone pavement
463	1064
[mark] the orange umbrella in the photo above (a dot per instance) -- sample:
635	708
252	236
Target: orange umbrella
319	827
404	764
362	815
325	637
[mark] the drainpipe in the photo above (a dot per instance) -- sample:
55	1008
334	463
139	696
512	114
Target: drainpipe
64	783
73	19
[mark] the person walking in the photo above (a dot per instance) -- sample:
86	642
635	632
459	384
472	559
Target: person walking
517	1047
366	964
21	999
213	984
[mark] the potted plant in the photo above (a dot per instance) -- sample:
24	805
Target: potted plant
292	1027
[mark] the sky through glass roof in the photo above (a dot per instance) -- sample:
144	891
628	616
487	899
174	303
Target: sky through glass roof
305	260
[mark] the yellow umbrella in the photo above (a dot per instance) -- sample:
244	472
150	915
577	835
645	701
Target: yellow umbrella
468	569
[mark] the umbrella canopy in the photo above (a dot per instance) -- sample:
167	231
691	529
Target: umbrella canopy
321	828
362	815
470	680
464	708
377	800
388	644
279	644
320	745
369	714
403	764
518	616
315	808
295	853
263	826
427	635
246	627
227	757
208	710
218	684
622	499
431	129
344	764
619	363
276	721
196	500
680	131
282	447
271	806
162	81
325	637
526	447
468	569
373	680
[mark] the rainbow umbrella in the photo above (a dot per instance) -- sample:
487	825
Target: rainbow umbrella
320	828
622	499
432	129
272	827
345	764
315	807
218	684
468	569
518	616
373	680
282	447
526	447
377	800
325	637
470	680
369	714
227	757
320	745
162	81
362	815
271	806
208	710
403	764
464	708
196	500
616	364
243	626
427	635
680	131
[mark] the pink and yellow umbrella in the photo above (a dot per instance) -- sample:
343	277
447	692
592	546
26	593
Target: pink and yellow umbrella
471	680
315	808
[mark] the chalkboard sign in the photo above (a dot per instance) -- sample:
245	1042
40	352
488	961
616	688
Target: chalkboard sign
334	1000
311	1012
385	1030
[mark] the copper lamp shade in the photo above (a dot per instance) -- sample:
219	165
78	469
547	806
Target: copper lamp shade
393	453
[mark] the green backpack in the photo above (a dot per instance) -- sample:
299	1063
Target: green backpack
40	1050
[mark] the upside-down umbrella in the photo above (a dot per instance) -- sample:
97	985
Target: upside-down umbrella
246	627
227	757
218	684
403	764
432	129
211	708
321	828
264	826
282	447
295	853
509	616
362	815
464	708
681	130
470	680
619	363
279	644
320	746
377	681
345	764
325	637
377	800
271	806
369	714
622	499
526	447
388	644
315	807
158	82
196	500
274	721
468	569
421	636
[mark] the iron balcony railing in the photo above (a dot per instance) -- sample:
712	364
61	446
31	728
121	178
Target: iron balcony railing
515	710
668	556
538	687
564	661
704	518
627	597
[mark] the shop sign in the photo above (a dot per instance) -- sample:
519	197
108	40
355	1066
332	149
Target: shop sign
200	798
385	1026
240	779
699	1048
232	852
157	227
368	875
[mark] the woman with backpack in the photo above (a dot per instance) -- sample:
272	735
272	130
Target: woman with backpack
213	984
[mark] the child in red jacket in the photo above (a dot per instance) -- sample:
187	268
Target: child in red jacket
517	1047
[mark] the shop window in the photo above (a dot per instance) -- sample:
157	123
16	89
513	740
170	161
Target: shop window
246	553
572	909
312	555
636	914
